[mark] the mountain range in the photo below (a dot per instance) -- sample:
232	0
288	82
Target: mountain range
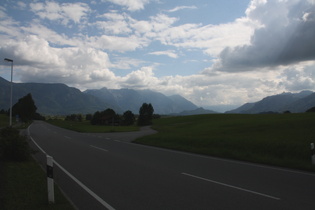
292	102
59	99
129	99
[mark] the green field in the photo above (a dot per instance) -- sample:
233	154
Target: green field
276	139
87	127
4	120
23	185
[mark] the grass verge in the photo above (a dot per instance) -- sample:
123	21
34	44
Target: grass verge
24	186
87	127
275	139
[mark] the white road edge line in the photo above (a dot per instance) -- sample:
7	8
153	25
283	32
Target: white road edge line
231	186
105	150
99	199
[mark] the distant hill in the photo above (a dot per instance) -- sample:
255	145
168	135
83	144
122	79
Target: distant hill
55	99
293	102
129	99
59	99
197	111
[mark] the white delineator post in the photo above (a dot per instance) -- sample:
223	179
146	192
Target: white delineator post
313	153
50	180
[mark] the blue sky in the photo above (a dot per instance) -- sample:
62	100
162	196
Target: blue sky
212	52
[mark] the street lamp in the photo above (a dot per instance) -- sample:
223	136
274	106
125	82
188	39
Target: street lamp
9	60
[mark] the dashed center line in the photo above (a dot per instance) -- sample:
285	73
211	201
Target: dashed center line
231	186
105	150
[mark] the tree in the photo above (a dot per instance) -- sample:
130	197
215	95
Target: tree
88	117
128	118
106	117
96	119
145	114
25	108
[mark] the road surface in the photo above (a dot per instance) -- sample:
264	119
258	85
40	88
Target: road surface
106	171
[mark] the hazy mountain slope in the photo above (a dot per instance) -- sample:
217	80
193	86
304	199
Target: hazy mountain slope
129	99
302	104
51	98
242	109
197	111
59	99
183	102
293	102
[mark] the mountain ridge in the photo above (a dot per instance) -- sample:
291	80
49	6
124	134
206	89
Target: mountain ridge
60	99
130	99
293	102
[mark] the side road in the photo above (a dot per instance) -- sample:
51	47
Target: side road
127	136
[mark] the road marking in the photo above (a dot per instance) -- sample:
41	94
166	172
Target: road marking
99	199
41	149
231	186
117	140
105	150
67	137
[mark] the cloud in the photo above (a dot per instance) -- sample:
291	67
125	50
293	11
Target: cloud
286	36
298	77
48	34
142	78
169	53
276	36
38	61
117	43
116	23
131	5
210	38
125	62
64	12
181	8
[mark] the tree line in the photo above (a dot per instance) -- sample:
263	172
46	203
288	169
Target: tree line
110	117
25	110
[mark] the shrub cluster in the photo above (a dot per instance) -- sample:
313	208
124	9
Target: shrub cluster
109	117
13	146
74	117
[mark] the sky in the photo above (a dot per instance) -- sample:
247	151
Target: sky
212	52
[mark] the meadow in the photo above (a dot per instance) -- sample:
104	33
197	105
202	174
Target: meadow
87	127
23	185
276	139
4	120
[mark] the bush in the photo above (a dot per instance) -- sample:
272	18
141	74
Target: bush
74	117
13	146
106	117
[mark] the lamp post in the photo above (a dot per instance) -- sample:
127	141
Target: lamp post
10	60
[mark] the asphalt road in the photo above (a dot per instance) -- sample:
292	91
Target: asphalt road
106	171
